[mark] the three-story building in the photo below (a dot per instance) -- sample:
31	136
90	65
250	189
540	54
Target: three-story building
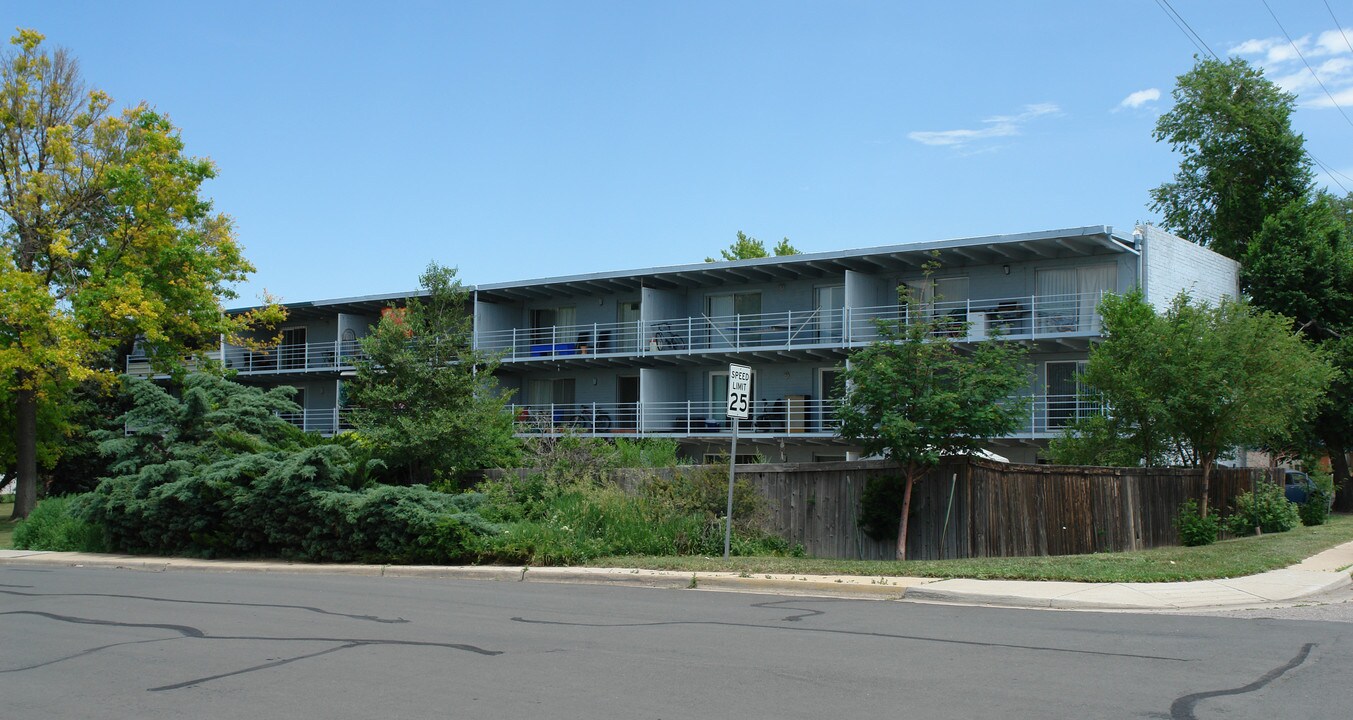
645	353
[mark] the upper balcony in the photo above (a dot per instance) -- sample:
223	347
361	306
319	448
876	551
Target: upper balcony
1027	318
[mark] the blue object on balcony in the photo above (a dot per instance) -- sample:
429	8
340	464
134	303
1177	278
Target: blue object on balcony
556	349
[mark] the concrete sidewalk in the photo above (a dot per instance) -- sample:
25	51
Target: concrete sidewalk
1319	574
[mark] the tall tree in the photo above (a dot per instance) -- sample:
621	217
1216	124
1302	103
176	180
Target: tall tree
746	248
1241	159
915	396
104	239
1202	379
423	397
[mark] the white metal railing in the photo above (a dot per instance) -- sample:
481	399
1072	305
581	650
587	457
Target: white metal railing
793	415
1022	318
335	355
325	421
138	364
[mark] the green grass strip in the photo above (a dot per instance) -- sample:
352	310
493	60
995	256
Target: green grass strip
1229	558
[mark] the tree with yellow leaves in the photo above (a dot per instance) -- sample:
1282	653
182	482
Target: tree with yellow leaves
104	240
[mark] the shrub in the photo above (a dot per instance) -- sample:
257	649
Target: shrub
55	524
1195	530
1316	509
881	507
1267	508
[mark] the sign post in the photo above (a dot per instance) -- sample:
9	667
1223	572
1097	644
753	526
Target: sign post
739	400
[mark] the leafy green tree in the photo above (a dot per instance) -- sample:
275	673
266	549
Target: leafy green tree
104	238
915	396
423	398
1242	161
1200	380
1123	372
746	248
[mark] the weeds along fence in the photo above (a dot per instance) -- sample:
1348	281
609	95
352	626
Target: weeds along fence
976	508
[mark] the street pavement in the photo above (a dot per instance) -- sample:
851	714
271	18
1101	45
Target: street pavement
1323	575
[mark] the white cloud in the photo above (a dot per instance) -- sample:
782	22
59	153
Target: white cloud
996	126
1140	98
1328	52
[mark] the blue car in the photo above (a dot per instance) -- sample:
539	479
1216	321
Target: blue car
1298	487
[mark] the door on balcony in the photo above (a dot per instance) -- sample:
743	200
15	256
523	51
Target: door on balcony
1068	298
291	352
944	299
551	327
731	316
830	300
627	334
1062	392
299	399
627	395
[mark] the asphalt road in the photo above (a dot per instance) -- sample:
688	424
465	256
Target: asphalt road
102	643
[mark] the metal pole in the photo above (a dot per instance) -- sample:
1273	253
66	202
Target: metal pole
728	519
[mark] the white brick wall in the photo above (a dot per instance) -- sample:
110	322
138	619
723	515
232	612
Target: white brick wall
1173	265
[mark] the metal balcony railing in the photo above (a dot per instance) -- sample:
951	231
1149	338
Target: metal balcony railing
326	421
1021	318
1048	415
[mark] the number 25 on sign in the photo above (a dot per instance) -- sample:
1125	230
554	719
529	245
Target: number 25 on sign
739	391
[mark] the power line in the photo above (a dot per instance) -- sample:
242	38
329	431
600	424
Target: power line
1185	28
1330	172
1307	64
1339	25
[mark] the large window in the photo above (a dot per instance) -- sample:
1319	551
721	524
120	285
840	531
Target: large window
1068	298
1062	388
748	303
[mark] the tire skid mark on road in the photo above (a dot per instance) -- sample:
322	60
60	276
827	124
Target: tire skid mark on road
256	668
784	605
307	608
186	632
856	633
1182	708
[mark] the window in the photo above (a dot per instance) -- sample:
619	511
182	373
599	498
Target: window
558	391
291	353
748	303
544	322
945	299
1062	388
1068	298
830	300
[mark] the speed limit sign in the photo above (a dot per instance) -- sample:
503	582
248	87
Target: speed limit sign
739	391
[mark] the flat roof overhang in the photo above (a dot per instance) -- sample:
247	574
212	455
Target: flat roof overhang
1084	241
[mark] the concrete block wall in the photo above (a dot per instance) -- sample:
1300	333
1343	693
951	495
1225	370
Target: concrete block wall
1173	265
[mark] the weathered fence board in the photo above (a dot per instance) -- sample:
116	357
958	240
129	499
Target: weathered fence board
975	508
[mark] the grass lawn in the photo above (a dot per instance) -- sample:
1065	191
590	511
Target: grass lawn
1229	558
6	527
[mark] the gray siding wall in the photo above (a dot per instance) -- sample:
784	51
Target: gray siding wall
662	304
1174	265
497	316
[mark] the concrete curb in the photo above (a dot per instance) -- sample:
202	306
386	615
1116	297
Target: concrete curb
1320	574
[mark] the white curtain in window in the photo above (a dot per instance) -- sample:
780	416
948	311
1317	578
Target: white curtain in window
1055	309
1094	282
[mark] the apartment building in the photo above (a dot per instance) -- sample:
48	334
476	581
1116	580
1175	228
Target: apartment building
645	353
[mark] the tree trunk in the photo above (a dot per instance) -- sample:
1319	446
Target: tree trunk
1207	482
26	444
906	512
1343	485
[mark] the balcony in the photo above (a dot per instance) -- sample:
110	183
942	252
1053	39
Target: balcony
1048	416
323	421
310	357
1019	318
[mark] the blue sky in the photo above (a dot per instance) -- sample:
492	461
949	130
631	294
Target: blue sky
358	141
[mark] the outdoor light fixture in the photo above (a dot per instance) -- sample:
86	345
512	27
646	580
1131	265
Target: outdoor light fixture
1006	268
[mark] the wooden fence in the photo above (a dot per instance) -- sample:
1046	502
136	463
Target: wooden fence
976	508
